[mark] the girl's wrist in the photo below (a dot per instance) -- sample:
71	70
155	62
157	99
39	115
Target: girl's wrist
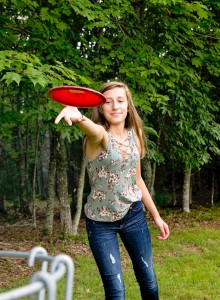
82	119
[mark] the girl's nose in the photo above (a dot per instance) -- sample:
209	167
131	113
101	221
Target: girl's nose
115	105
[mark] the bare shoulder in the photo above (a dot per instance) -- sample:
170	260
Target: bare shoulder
96	143
97	136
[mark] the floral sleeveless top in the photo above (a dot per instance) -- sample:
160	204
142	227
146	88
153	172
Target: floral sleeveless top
112	177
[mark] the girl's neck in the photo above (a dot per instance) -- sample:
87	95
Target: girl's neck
119	133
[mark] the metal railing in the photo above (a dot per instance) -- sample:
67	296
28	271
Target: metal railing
43	283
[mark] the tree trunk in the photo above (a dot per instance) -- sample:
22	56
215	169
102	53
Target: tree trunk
174	201
190	191
146	171
2	205
34	177
218	178
186	190
153	179
213	188
62	187
22	172
80	189
51	186
45	161
152	190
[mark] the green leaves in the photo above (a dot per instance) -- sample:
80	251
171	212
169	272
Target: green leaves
16	67
9	77
167	52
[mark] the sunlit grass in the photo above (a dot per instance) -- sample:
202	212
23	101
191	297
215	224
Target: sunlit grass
187	264
187	267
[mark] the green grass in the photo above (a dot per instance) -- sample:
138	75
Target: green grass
187	264
187	267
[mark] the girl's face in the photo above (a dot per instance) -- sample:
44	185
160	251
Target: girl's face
116	107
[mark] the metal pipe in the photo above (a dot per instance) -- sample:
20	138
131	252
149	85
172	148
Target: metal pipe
60	265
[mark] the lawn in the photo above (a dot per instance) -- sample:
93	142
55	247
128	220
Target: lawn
187	265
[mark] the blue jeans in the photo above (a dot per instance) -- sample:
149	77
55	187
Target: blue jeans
135	236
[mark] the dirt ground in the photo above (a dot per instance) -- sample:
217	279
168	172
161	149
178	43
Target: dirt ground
18	234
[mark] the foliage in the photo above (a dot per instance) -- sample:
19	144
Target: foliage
189	120
167	51
17	66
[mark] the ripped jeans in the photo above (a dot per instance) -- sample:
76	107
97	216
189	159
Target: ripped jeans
135	236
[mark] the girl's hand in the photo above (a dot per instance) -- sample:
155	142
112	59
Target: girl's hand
163	227
70	114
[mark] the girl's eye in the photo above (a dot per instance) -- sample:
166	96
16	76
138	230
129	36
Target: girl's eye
110	101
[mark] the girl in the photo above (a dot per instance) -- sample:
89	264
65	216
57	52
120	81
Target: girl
114	146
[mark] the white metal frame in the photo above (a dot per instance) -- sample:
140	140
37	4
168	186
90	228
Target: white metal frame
43	283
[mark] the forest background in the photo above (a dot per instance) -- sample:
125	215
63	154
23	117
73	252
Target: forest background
168	54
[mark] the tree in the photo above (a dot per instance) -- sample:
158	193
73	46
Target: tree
80	189
167	52
40	76
62	188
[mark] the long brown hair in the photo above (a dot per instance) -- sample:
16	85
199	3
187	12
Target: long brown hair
132	120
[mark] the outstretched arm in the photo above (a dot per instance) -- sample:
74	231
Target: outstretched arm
95	133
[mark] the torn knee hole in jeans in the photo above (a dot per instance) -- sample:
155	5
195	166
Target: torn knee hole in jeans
146	264
112	258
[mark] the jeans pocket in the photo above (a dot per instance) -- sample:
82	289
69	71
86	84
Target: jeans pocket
136	206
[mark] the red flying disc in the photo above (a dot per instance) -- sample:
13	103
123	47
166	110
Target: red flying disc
76	96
